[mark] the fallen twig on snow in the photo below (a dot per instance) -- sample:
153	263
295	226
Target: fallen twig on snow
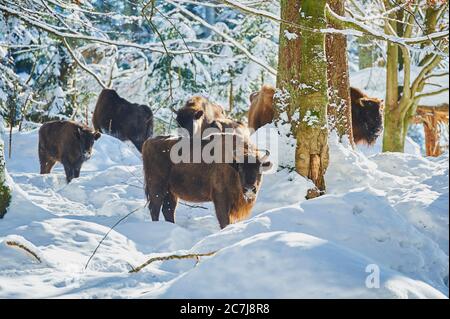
28	250
188	256
106	235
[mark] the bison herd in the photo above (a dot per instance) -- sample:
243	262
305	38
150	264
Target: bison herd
232	182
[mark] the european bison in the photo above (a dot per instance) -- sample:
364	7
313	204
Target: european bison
66	142
232	186
116	116
198	114
367	117
367	113
261	109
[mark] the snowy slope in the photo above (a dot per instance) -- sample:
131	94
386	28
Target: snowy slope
389	210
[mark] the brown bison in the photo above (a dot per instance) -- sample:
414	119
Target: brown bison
231	185
367	113
261	109
66	142
367	117
116	116
198	114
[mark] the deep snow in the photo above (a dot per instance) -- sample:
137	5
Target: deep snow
389	210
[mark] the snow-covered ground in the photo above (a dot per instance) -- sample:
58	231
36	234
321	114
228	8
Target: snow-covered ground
386	213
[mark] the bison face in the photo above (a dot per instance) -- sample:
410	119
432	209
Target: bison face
367	120
191	120
86	138
250	176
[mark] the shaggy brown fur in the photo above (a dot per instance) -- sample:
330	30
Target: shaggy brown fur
367	117
261	109
198	114
367	113
232	187
116	116
66	142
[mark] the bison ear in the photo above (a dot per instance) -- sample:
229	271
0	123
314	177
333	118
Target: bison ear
266	166
235	165
217	125
366	102
198	114
97	135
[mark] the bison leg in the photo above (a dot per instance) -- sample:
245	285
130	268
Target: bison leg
70	172
45	161
46	165
76	170
138	144
155	207
169	205
222	206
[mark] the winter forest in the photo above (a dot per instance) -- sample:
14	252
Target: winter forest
341	189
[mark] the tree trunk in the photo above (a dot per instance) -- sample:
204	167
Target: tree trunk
339	107
431	128
431	20
5	192
302	76
393	121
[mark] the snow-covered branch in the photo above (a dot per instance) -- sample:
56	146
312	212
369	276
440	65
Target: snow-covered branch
71	34
225	36
353	24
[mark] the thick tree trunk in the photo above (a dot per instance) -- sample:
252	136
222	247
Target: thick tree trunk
339	107
302	78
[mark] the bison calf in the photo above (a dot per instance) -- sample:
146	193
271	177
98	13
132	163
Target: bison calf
124	120
66	142
232	187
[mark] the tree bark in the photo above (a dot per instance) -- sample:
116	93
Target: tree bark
302	77
5	192
393	123
432	145
339	107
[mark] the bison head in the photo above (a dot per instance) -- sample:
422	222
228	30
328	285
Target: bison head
86	138
367	120
191	120
250	173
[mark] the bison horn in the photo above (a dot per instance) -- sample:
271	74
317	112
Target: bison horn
266	155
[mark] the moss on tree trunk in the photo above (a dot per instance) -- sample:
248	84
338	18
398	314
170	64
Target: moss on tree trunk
302	78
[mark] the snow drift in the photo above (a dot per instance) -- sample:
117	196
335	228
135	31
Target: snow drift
388	211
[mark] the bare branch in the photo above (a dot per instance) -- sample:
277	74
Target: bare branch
83	66
437	92
170	257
